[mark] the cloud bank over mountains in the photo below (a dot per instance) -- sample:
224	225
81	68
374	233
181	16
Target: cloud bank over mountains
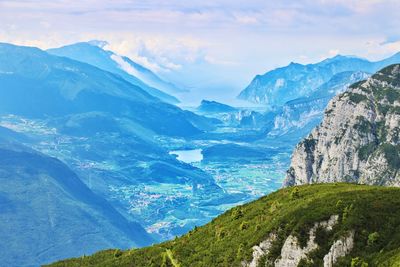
211	44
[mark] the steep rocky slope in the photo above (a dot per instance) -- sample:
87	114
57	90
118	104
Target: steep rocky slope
358	140
312	225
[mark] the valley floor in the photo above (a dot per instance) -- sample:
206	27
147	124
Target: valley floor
165	208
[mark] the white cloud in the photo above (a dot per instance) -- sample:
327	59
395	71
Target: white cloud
216	61
247	19
333	52
159	53
377	48
126	66
236	38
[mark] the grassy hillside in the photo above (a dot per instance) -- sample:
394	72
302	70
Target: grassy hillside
373	212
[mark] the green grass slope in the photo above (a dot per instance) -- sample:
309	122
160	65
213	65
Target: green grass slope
373	212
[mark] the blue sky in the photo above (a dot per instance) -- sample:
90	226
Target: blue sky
214	47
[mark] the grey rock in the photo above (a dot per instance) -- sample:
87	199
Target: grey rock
358	139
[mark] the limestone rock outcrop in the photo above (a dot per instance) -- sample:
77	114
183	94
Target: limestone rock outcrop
292	252
358	139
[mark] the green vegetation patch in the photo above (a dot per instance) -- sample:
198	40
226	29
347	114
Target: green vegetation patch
309	145
389	93
386	74
357	84
366	150
363	125
373	212
357	98
392	154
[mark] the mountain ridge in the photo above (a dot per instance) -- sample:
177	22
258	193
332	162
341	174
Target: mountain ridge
323	225
214	106
109	61
47	85
280	85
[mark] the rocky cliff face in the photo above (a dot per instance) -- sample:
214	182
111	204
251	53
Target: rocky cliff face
339	249
292	253
358	140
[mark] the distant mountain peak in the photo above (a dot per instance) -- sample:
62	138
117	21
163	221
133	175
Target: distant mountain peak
337	58
214	106
278	86
99	43
93	53
294	64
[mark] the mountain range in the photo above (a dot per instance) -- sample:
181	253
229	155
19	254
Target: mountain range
93	54
37	84
276	87
86	138
92	128
314	85
335	224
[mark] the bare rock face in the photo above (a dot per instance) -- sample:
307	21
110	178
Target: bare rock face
262	249
359	138
339	249
292	252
